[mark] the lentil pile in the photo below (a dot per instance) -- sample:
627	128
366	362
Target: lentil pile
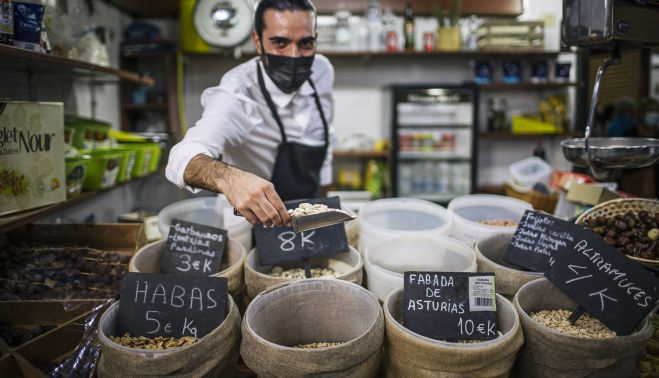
306	208
298	273
587	326
157	343
633	234
316	345
48	272
499	222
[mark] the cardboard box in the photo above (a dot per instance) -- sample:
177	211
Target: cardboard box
590	194
32	155
124	239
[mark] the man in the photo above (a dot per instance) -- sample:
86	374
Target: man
267	121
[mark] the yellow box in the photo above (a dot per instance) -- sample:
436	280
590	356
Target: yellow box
526	125
589	194
31	155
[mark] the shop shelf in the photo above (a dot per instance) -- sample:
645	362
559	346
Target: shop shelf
148	106
435	197
529	86
45	63
350	154
505	135
410	125
11	221
432	155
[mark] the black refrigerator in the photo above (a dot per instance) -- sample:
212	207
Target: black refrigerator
434	138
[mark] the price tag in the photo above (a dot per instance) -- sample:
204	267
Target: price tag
539	237
280	244
171	305
450	306
605	282
193	248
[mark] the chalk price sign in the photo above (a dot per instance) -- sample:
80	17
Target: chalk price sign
193	248
280	244
171	305
450	306
605	282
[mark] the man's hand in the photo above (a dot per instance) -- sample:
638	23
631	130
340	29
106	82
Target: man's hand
254	197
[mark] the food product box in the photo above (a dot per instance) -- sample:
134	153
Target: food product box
590	194
31	155
81	281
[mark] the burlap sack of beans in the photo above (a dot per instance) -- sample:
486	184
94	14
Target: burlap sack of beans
549	353
508	276
411	355
258	280
214	355
147	260
310	311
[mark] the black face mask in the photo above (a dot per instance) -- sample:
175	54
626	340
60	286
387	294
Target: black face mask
288	73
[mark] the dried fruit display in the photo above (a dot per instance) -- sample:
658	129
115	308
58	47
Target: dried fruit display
45	272
15	336
308	209
499	222
633	234
317	345
159	342
298	273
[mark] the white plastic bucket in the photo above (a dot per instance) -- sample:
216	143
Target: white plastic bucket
212	211
469	210
382	219
386	262
527	172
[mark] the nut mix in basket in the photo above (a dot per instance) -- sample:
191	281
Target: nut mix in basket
633	234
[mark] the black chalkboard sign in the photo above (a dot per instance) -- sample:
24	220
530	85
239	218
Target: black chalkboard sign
538	238
193	248
450	306
172	305
280	244
602	280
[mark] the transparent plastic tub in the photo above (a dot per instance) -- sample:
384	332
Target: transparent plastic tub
212	211
386	262
469	210
530	171
385	218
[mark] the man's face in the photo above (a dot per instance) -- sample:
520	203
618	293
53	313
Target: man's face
288	33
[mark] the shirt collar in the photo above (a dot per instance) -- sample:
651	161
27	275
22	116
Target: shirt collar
280	98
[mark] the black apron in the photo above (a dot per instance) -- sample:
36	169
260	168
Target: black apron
296	173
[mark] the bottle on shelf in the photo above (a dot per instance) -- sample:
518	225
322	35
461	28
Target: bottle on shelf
409	26
375	27
539	151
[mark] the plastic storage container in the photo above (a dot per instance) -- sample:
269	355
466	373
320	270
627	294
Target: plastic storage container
386	262
529	171
385	218
212	211
74	169
127	163
102	169
468	211
143	154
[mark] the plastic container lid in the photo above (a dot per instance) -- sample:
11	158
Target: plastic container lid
385	218
529	171
388	260
212	211
469	210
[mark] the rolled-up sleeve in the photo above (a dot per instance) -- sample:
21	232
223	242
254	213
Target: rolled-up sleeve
225	120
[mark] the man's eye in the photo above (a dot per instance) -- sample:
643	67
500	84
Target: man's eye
279	43
307	44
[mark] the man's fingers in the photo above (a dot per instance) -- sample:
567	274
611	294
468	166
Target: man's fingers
279	207
249	215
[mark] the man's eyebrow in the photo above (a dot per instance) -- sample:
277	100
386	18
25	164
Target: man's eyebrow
279	38
307	39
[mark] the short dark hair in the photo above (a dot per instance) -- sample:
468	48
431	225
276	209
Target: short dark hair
279	5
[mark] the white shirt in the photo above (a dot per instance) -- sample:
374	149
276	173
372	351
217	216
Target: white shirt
237	123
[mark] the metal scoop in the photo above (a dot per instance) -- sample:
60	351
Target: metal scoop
318	220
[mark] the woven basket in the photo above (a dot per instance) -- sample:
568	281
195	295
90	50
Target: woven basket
621	206
539	200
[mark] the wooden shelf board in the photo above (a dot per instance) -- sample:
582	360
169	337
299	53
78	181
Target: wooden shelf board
509	135
361	154
39	62
491	189
11	221
496	86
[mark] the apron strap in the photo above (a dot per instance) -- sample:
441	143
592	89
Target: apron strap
320	110
275	114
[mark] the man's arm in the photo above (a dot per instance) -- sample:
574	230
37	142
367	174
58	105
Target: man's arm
254	197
